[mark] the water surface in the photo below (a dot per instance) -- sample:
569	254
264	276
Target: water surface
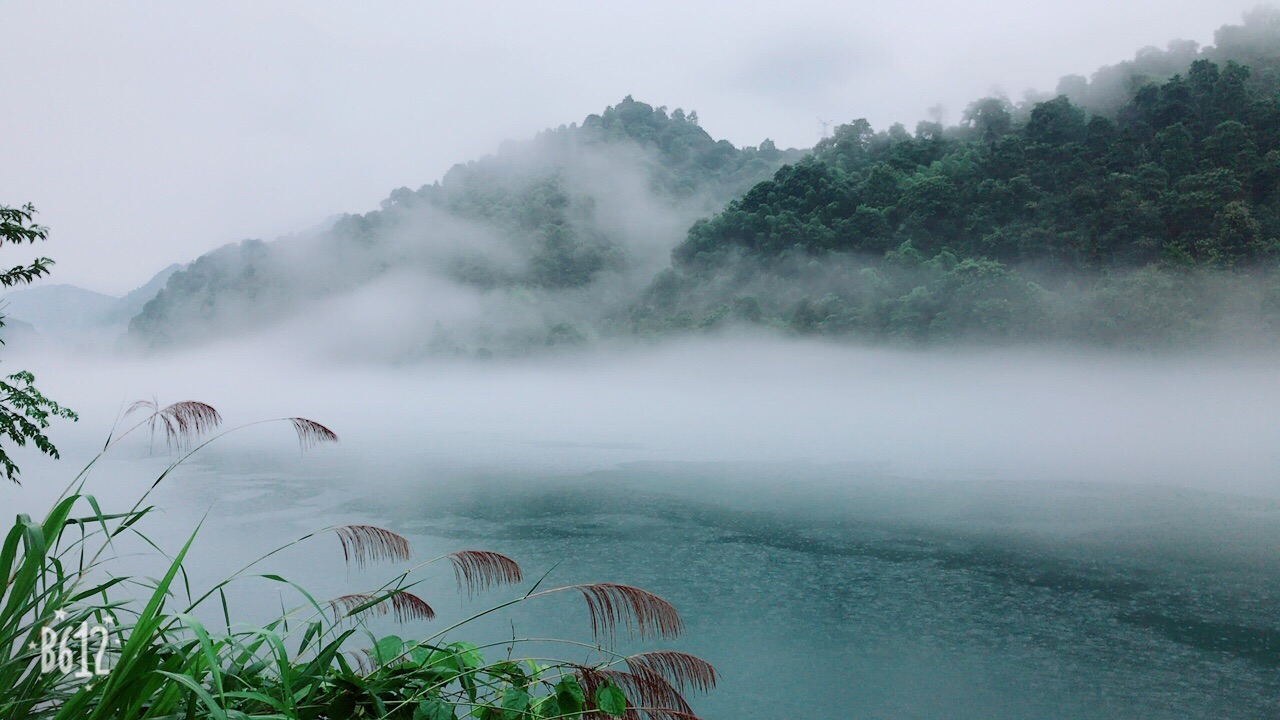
847	534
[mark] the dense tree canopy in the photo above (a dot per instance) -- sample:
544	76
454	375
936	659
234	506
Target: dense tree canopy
1140	207
1185	172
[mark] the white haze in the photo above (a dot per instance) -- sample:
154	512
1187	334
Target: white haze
399	296
261	121
1042	455
150	134
1024	416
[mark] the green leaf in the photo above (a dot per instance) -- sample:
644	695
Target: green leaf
438	665
215	710
611	700
546	707
569	695
515	701
422	655
387	649
468	654
512	671
433	709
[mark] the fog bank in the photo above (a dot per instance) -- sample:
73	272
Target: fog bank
1202	422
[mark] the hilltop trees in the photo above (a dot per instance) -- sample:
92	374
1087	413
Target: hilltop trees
554	215
1184	173
1141	207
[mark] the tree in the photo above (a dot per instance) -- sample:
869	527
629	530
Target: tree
991	118
24	411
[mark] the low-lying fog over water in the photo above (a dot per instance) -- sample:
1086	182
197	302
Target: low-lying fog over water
847	532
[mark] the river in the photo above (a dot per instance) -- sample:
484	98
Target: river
847	533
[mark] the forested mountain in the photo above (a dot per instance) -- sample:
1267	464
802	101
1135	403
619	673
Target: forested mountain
132	303
942	231
1141	207
580	210
1186	171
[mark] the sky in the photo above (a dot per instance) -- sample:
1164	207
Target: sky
149	133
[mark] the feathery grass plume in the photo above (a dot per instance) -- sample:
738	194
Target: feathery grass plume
165	663
640	611
478	570
363	660
591	680
345	605
643	690
656	713
311	433
682	670
408	606
405	605
366	543
182	422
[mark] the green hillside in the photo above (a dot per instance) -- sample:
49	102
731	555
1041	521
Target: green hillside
1138	207
1051	219
542	216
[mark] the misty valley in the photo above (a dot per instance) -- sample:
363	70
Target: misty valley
975	420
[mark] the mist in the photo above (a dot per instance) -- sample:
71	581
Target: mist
260	122
975	421
546	242
1206	422
805	482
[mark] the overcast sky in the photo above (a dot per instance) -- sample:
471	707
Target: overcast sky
148	133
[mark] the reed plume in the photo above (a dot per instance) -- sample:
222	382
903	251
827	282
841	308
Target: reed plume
682	670
643	690
404	605
478	570
660	713
640	611
168	663
363	544
311	433
182	422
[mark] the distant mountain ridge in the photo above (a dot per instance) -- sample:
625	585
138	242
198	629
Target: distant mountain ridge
1139	207
67	310
50	307
132	303
574	210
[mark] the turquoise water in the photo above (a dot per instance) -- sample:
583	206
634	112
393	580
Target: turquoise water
846	533
829	591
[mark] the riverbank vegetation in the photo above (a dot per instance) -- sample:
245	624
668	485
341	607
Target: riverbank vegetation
79	639
25	413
